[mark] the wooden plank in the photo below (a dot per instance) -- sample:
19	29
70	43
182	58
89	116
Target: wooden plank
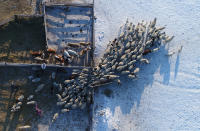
45	23
69	4
93	37
25	15
39	65
92	64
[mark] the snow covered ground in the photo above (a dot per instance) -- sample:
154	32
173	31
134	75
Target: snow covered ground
166	96
68	24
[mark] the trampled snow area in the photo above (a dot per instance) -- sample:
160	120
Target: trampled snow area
166	96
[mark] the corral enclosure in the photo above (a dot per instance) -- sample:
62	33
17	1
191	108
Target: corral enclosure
18	39
73	120
70	24
61	24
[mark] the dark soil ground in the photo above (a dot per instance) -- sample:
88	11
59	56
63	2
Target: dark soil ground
8	8
19	38
10	121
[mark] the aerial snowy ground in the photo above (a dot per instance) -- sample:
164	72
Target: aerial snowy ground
166	96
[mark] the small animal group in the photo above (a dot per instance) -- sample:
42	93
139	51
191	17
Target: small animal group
65	56
17	106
